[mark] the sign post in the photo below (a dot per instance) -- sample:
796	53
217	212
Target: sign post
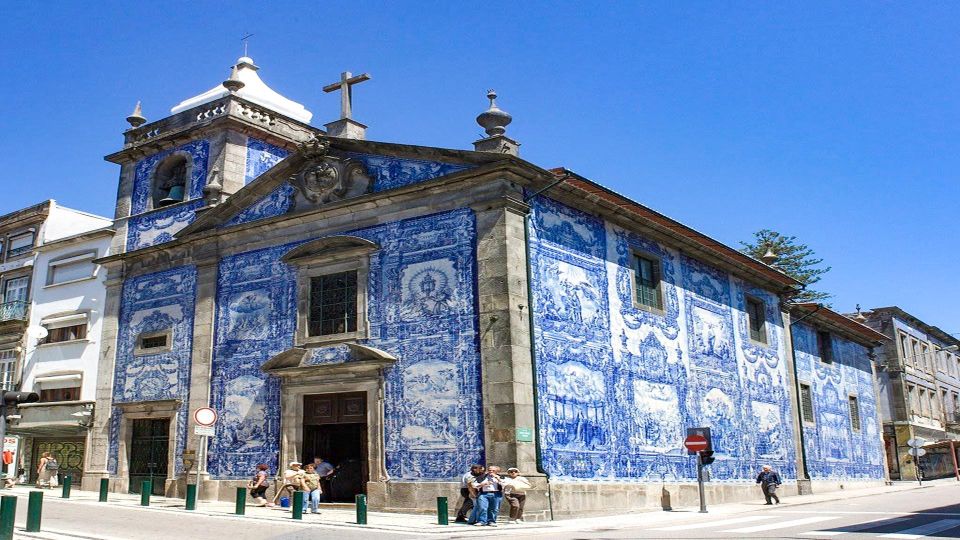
916	451
698	441
205	417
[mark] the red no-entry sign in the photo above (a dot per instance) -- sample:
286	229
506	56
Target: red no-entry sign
695	443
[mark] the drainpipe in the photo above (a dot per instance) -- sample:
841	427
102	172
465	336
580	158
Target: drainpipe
796	384
533	346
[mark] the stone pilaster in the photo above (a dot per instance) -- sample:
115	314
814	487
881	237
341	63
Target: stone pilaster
98	438
201	359
507	364
803	482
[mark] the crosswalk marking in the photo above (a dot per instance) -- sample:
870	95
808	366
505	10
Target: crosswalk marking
923	530
882	522
781	524
704	525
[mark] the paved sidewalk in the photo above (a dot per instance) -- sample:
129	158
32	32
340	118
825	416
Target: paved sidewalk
344	516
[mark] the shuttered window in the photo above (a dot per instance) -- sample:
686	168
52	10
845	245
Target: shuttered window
806	403
825	347
854	413
647	277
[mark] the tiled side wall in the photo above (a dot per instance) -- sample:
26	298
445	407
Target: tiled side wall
834	450
618	385
153	303
422	309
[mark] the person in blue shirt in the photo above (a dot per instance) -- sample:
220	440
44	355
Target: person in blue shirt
325	470
769	480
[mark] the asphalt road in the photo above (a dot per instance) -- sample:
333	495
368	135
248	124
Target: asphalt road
932	512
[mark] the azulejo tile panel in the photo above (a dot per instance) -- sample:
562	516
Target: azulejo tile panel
834	450
160	226
392	172
159	302
261	156
619	384
197	154
421	304
276	203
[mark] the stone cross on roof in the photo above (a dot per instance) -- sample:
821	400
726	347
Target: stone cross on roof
346	99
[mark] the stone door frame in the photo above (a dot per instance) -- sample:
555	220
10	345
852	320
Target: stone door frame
153	410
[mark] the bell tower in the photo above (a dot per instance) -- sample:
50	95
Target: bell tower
209	147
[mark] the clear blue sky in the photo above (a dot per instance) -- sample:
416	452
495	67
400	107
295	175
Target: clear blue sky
838	123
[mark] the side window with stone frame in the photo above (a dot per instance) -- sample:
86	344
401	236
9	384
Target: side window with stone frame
756	319
153	342
332	277
647	282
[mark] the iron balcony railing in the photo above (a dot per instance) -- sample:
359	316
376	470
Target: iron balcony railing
13	311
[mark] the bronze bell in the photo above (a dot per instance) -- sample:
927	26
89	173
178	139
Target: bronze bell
174	196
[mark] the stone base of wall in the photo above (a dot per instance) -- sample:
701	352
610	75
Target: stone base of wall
826	486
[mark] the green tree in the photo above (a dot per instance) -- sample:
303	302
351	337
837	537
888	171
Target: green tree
795	259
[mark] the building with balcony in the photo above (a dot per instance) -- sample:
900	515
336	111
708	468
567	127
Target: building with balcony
24	234
919	379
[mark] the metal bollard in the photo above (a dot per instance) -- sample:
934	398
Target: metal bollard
443	513
34	510
8	513
241	504
145	488
67	484
297	503
191	496
104	488
361	509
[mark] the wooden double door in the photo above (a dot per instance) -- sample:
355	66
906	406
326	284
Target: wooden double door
335	428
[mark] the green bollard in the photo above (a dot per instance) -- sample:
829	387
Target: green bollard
297	503
67	484
104	488
191	496
8	513
34	509
145	488
241	504
443	514
361	509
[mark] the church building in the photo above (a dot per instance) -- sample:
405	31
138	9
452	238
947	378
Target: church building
405	311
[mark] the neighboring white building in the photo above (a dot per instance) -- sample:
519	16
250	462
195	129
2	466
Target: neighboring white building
61	341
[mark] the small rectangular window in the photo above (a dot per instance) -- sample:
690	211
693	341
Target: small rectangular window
8	364
153	342
806	403
333	304
854	413
20	244
825	347
757	320
60	394
646	272
67	333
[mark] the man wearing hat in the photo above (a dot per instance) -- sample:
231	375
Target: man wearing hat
291	482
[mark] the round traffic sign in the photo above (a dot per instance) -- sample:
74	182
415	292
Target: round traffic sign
695	443
917	442
917	452
205	416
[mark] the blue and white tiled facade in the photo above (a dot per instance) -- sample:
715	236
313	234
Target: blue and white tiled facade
158	302
618	385
422	297
834	450
146	226
260	157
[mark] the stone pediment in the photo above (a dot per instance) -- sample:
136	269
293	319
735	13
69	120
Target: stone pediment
338	359
307	179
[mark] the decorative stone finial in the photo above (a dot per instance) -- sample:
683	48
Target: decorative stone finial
136	118
214	188
494	121
234	83
769	257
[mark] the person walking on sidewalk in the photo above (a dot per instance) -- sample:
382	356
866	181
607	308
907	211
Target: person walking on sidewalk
515	491
467	492
258	486
310	485
769	480
47	470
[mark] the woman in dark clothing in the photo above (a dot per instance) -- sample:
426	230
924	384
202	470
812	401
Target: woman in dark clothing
769	480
